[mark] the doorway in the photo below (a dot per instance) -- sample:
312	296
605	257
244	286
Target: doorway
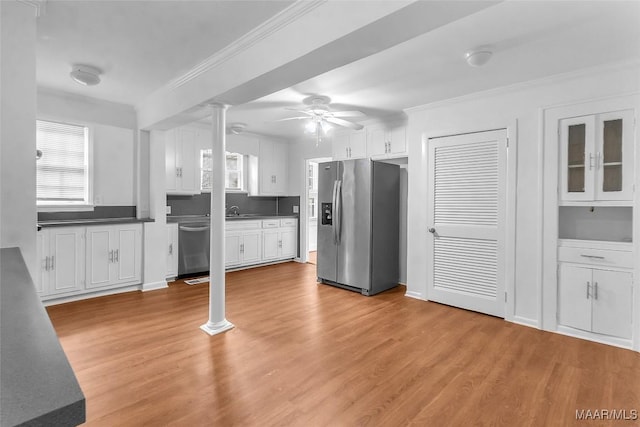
311	186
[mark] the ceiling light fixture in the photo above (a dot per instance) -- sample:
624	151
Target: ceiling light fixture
85	74
479	57
319	127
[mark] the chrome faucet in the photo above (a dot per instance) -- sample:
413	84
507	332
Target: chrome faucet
233	210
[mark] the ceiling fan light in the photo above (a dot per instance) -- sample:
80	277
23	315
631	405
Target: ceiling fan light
326	127
478	58
85	75
311	126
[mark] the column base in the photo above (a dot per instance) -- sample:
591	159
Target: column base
217	328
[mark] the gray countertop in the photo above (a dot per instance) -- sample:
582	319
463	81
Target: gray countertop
38	386
197	218
91	221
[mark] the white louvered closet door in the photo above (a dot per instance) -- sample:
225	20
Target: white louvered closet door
466	221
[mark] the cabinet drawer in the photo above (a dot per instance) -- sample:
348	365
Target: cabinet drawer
288	222
270	223
239	224
596	256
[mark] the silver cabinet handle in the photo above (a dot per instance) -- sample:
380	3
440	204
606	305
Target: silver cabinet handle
110	256
53	259
598	160
591	158
595	290
592	256
117	255
170	248
46	263
242	247
432	230
588	286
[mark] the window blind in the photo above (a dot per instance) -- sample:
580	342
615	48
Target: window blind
62	174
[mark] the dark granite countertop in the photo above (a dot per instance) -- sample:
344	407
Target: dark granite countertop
197	218
38	386
91	221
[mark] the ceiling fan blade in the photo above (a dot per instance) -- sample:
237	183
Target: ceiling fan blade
300	111
292	118
344	123
348	114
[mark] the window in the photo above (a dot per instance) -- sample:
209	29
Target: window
62	171
234	171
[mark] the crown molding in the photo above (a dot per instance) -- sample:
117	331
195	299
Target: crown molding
38	5
529	84
264	30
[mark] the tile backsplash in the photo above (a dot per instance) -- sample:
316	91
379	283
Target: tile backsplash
200	204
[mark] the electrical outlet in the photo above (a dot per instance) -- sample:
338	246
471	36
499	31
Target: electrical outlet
168	210
97	200
296	209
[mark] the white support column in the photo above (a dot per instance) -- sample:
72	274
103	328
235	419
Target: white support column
217	322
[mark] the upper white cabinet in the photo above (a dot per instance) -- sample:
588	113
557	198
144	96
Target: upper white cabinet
182	165
272	168
596	157
61	255
349	145
383	142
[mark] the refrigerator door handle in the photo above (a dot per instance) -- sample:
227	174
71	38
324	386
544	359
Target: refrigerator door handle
333	211
338	218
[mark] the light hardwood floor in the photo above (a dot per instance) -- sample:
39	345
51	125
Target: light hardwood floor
304	354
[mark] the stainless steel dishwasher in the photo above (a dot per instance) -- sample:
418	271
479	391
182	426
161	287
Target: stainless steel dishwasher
193	240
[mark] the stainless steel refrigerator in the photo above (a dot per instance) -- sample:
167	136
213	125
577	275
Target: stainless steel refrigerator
358	230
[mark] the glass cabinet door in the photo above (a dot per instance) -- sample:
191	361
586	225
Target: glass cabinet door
615	156
576	158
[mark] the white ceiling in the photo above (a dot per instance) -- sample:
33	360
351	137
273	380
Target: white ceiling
142	45
139	45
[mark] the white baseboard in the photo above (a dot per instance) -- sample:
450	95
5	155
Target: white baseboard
154	286
82	296
416	295
524	321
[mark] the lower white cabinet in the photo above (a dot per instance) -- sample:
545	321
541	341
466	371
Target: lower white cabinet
595	300
76	260
61	254
253	242
595	288
114	255
242	247
172	250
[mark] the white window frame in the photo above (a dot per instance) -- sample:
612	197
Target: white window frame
87	204
243	173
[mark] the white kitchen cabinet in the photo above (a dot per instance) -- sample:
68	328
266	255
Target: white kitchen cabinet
595	287
243	243
62	266
281	242
596	158
595	300
182	168
242	247
172	250
383	142
114	255
349	145
273	168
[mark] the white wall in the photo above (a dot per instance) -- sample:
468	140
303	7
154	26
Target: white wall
490	110
17	129
114	142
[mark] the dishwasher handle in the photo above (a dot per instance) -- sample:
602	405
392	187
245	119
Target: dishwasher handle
200	228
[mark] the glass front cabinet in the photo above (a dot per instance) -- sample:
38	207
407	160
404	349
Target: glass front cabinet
596	153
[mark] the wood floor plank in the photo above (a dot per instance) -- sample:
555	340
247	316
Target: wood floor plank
304	354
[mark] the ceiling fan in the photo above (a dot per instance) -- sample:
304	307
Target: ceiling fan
321	118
